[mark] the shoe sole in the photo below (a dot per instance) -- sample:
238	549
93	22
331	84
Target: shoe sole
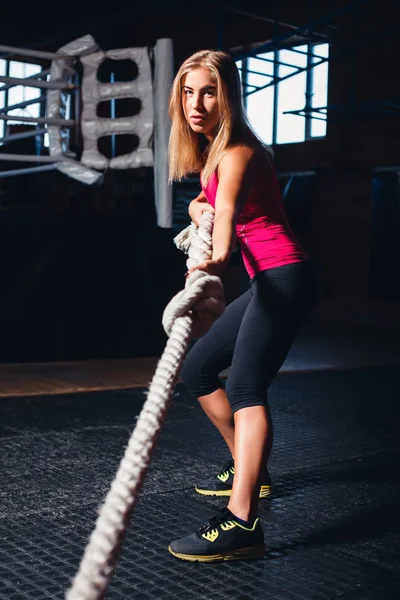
241	554
265	492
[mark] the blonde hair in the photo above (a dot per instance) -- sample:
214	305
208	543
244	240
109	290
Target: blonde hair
186	154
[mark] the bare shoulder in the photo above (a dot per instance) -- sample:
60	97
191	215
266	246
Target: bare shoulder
239	156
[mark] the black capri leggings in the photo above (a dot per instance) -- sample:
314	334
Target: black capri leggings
253	336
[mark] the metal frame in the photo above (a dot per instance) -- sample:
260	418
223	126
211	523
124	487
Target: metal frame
287	41
35	80
351	108
41	120
283	40
20	136
5	109
28	171
355	109
12	50
31	158
275	79
48	85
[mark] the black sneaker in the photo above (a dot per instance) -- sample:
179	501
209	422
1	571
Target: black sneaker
221	539
221	484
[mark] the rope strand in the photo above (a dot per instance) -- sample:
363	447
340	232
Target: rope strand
180	319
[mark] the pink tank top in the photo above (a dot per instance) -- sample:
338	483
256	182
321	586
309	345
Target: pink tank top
262	228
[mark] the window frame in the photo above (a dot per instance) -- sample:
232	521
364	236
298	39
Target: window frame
5	123
308	112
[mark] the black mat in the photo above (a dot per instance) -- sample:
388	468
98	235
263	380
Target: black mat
332	528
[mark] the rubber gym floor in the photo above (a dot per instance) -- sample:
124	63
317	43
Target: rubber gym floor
332	526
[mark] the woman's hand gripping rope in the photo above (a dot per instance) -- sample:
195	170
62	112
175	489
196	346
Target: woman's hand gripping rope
203	295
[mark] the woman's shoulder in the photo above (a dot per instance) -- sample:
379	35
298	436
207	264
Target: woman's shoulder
237	155
244	155
242	150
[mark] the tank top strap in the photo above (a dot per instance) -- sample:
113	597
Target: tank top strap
210	190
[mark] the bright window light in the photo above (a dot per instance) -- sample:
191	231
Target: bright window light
239	64
21	93
319	90
260	105
3	70
291	96
277	112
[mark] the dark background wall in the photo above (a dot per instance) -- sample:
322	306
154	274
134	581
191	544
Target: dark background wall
86	272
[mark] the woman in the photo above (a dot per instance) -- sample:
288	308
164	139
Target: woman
210	135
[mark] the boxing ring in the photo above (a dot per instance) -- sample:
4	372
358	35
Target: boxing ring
63	89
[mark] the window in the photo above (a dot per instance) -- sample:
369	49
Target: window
20	93
260	119
319	87
286	93
3	71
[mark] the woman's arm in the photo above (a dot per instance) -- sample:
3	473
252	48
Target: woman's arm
198	206
235	174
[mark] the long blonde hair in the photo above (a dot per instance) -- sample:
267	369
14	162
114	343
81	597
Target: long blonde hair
186	152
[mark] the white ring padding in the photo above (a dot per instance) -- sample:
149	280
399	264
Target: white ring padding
163	79
56	103
75	170
61	69
94	127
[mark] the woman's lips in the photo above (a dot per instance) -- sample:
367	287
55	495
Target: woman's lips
197	120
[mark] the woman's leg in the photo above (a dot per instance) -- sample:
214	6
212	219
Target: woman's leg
251	435
277	308
280	304
219	411
210	355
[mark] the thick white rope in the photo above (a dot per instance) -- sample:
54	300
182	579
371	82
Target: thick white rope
191	310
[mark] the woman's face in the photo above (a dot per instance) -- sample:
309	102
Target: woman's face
199	101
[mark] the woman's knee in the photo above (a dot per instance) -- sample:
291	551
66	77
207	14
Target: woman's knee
190	373
199	380
242	395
